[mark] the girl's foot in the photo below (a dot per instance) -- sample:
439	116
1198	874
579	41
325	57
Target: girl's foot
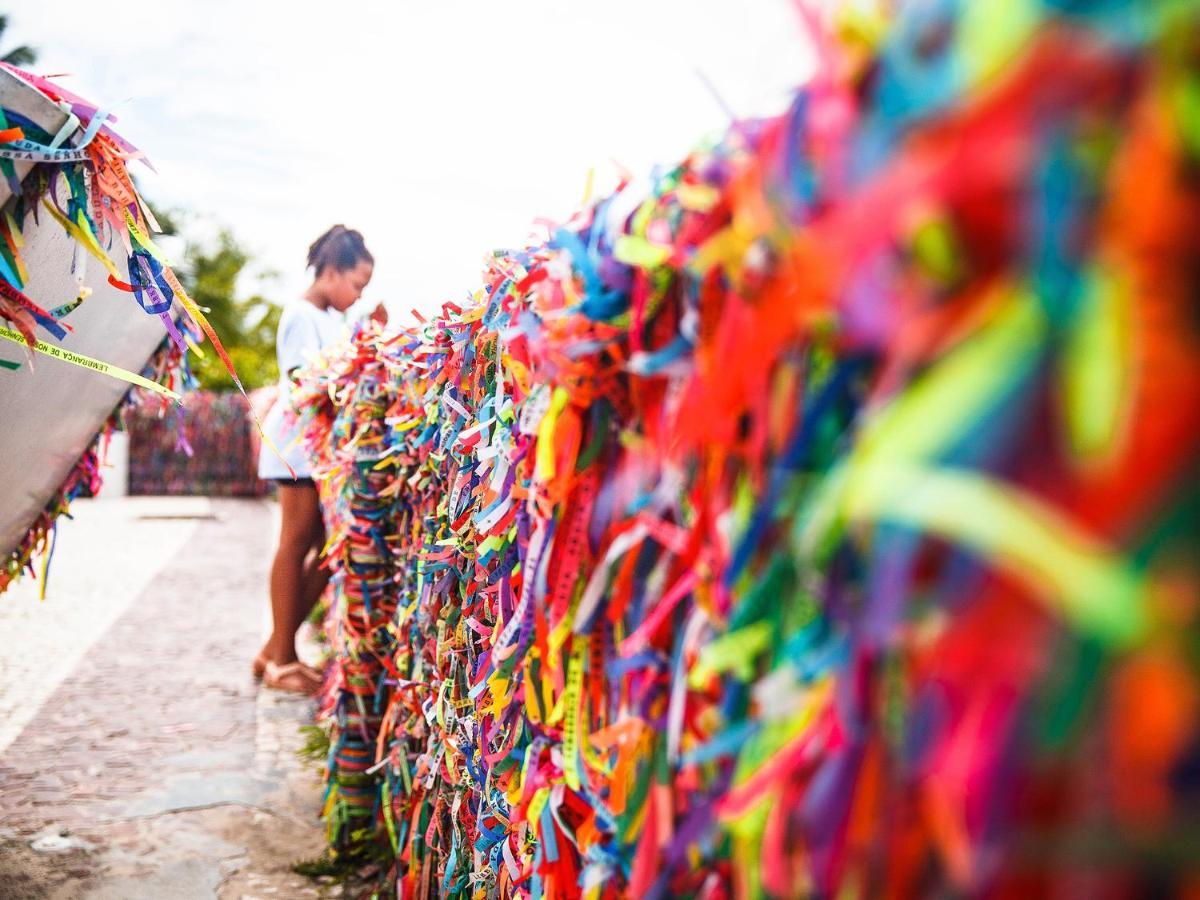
295	677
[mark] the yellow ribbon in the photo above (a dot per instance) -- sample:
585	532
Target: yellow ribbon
85	238
87	362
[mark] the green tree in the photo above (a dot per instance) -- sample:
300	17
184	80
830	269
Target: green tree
246	326
17	56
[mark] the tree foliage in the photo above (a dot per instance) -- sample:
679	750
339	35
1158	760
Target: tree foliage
17	56
246	325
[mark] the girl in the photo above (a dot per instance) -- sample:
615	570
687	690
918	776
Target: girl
341	266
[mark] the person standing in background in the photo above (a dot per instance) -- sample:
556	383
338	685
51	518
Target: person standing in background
342	267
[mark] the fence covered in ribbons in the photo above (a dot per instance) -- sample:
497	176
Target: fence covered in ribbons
819	522
210	449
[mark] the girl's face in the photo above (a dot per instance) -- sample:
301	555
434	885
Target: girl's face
344	288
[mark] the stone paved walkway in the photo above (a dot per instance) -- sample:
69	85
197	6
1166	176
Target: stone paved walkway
129	720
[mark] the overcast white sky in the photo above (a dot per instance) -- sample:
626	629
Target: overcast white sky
440	129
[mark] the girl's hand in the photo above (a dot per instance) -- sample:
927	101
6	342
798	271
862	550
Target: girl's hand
379	314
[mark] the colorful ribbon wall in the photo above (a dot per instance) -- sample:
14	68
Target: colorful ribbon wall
219	443
822	522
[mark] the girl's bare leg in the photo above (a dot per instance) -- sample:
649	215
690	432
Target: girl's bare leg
294	579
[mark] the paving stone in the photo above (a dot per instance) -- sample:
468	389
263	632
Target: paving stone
157	748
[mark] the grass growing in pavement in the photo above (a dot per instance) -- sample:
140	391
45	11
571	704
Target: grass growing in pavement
316	743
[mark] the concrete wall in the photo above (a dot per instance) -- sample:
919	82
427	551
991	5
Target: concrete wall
51	410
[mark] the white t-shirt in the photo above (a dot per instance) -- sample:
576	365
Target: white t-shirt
303	331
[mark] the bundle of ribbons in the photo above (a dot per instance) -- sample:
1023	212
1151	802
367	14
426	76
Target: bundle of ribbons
822	522
79	179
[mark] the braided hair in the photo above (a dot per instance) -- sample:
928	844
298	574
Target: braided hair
339	247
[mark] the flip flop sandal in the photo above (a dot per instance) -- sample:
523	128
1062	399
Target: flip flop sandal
259	667
294	677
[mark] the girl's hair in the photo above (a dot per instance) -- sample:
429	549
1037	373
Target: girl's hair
339	247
